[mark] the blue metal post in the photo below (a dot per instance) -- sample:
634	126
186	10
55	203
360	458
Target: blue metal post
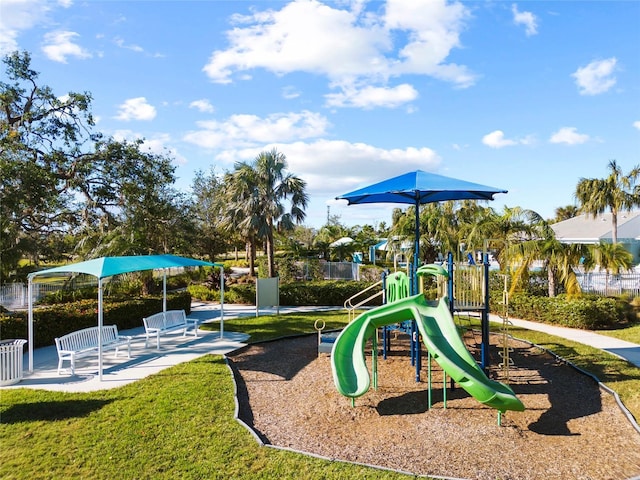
416	249
484	348
412	349
450	282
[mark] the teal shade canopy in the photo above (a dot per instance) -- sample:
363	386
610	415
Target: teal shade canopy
109	266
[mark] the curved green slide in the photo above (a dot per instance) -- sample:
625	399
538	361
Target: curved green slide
440	336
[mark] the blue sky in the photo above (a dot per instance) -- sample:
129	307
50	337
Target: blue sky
525	96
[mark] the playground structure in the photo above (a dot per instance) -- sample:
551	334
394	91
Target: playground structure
462	288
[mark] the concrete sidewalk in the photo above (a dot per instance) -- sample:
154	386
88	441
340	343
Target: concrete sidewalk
621	348
174	348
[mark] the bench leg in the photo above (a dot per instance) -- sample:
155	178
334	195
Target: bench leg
59	365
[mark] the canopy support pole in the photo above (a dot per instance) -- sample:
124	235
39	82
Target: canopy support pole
100	322
164	289
30	325
416	249
221	301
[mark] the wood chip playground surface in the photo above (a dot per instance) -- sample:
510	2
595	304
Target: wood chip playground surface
571	429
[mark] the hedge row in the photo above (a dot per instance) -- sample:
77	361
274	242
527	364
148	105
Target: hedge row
586	312
56	320
319	293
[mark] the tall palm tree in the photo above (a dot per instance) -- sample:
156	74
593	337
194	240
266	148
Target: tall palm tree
242	215
616	192
261	188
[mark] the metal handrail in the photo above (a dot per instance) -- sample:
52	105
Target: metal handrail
348	305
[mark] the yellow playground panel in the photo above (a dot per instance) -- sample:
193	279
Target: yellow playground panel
469	291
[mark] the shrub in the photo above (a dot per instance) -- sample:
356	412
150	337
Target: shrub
371	273
204	293
587	312
56	320
321	293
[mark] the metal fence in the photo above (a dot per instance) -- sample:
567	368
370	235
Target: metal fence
607	284
341	271
16	295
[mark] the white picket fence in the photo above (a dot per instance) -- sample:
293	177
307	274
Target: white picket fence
603	284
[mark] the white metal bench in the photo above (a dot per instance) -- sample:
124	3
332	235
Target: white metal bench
82	343
159	323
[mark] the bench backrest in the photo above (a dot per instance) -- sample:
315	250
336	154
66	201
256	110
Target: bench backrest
86	338
154	321
163	320
174	317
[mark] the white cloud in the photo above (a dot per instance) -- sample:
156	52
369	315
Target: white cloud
347	46
358	163
496	139
60	44
597	77
569	136
249	130
370	97
637	124
19	15
136	109
528	19
290	92
202	105
129	46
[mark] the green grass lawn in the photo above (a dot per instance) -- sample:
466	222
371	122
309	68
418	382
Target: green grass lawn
630	334
179	423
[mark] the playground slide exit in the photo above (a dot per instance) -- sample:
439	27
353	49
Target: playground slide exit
441	337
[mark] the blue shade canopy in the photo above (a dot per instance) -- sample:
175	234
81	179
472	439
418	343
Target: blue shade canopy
418	187
108	266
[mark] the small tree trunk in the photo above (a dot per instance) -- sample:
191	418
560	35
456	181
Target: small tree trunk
251	257
270	261
551	277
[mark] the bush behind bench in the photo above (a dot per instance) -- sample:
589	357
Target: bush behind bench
56	320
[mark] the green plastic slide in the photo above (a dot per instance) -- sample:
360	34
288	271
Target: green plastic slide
440	336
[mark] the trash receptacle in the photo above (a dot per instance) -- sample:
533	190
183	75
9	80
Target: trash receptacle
11	361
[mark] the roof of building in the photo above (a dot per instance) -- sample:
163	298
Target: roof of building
589	229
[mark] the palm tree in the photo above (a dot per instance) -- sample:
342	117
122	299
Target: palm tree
259	191
558	259
242	214
500	230
565	213
616	192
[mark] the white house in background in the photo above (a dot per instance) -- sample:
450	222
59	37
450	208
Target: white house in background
590	230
